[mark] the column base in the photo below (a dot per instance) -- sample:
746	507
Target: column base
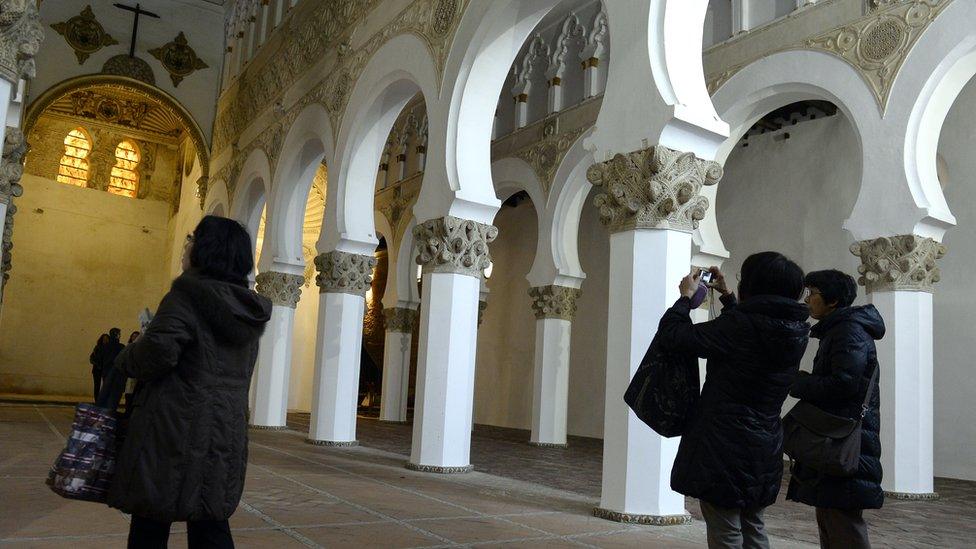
395	422
268	427
653	520
456	470
332	443
548	444
912	496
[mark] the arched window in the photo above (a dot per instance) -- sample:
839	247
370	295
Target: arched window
125	178
73	169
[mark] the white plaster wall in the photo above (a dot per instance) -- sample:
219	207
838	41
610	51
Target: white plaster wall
718	22
184	220
83	262
955	347
506	338
201	22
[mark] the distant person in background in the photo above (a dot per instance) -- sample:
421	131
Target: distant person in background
96	364
112	383
130	383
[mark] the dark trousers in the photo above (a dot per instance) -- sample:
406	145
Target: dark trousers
734	528
842	528
97	378
201	534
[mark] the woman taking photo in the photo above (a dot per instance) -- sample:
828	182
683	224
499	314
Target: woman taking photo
731	455
185	453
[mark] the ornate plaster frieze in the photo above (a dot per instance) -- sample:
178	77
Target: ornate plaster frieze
653	188
11	170
554	302
876	45
545	156
399	319
904	262
84	34
344	272
21	34
203	185
281	288
395	204
178	58
130	67
453	245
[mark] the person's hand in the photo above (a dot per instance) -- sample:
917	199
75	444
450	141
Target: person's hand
689	284
718	281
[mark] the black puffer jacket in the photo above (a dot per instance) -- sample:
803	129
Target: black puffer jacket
185	454
845	362
732	452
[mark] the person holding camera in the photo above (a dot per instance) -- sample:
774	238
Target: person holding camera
843	373
731	453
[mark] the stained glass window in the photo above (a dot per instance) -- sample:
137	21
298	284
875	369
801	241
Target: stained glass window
74	162
125	178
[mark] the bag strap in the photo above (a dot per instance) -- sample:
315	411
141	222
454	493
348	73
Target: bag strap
870	391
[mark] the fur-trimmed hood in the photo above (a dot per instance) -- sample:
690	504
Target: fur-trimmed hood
235	313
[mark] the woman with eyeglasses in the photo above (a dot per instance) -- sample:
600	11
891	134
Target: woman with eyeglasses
731	454
185	453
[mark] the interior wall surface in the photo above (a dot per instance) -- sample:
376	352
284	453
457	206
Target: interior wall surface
303	349
84	261
202	24
954	300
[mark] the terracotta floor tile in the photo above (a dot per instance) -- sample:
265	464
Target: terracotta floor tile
389	535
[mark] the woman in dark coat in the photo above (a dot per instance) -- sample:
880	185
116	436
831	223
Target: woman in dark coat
842	370
731	455
95	359
185	453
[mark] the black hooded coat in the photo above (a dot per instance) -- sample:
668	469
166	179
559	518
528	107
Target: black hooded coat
185	453
731	454
842	369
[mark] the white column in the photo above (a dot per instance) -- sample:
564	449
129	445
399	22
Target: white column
521	110
6	96
555	97
899	273
448	340
555	307
741	16
270	405
396	363
343	280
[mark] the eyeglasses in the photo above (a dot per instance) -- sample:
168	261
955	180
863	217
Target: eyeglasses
189	238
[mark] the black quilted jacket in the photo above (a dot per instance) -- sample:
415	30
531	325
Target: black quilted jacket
842	370
732	453
185	454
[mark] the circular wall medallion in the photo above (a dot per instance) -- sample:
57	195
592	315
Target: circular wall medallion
883	39
133	67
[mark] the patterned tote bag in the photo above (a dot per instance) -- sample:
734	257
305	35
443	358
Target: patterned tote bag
84	468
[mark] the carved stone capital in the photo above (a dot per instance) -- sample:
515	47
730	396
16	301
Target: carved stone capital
344	272
554	302
453	245
903	262
399	319
281	288
653	188
21	34
482	306
11	170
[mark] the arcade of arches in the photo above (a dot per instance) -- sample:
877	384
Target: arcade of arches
470	215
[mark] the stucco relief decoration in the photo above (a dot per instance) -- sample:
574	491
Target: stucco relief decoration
11	170
344	272
21	34
130	67
545	155
453	245
554	302
904	262
178	58
482	307
84	34
203	185
393	204
96	106
281	288
655	187
399	319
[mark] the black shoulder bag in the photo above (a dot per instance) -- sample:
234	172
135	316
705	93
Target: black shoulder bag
664	391
824	442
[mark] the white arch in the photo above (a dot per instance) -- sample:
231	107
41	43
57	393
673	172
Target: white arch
217	201
397	71
306	146
933	74
512	175
776	81
251	192
567	198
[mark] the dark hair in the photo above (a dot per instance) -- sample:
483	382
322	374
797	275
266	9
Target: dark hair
770	273
133	334
115	333
222	250
835	286
102	339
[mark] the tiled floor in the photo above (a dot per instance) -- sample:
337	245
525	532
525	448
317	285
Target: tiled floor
302	495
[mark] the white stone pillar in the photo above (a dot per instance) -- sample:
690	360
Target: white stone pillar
453	252
555	97
898	273
554	307
741	16
650	215
343	280
270	409
396	363
6	96
521	110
